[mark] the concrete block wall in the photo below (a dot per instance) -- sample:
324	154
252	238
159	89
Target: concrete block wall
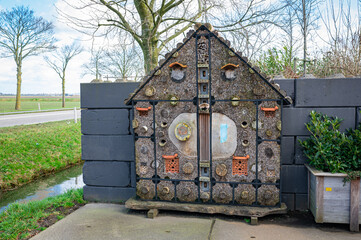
108	148
107	145
335	97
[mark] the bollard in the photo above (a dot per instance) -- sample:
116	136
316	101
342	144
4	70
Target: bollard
75	117
39	106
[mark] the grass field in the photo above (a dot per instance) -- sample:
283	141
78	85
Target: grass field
24	220
7	104
30	151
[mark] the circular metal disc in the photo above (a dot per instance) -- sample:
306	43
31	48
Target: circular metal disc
182	131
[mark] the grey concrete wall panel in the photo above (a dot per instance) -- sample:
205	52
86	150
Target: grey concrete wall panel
301	201
300	158
341	92
100	173
108	194
107	147
105	95
288	86
294	179
294	119
95	147
289	200
105	121
288	150
133	177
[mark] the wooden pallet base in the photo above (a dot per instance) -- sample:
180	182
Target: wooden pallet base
246	211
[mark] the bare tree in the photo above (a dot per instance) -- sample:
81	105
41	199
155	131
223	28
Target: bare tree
288	24
124	61
359	16
307	15
96	65
23	35
252	40
60	61
155	24
152	24
343	54
249	23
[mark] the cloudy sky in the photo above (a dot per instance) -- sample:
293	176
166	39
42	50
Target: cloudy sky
37	76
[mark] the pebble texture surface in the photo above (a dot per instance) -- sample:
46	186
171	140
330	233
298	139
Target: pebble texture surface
252	128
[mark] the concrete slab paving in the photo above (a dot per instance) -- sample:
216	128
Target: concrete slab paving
111	221
97	221
231	230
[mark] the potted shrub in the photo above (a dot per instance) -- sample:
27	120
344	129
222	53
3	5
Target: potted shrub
334	166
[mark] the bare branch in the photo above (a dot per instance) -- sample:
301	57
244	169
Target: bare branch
150	23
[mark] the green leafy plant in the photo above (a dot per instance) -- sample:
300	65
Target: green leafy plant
352	152
330	150
274	61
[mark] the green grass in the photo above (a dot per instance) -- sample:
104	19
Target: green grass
22	220
30	151
7	104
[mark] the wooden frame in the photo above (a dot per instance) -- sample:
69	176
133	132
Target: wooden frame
333	201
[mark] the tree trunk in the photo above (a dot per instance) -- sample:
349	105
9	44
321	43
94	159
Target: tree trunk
18	87
96	70
148	41
63	91
150	54
291	41
304	37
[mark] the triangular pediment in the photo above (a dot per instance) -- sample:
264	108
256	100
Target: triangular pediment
181	70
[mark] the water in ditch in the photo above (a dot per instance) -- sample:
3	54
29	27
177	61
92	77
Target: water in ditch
49	186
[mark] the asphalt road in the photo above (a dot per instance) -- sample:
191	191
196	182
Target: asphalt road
33	118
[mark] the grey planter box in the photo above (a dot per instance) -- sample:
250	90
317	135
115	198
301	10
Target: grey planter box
332	201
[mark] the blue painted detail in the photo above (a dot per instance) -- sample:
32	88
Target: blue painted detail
223	133
204	172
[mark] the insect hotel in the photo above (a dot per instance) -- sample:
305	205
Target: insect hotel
207	130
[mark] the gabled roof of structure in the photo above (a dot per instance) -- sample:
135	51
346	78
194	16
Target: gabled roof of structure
226	43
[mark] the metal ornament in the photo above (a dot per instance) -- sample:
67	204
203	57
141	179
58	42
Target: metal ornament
174	101
182	131
235	101
149	91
